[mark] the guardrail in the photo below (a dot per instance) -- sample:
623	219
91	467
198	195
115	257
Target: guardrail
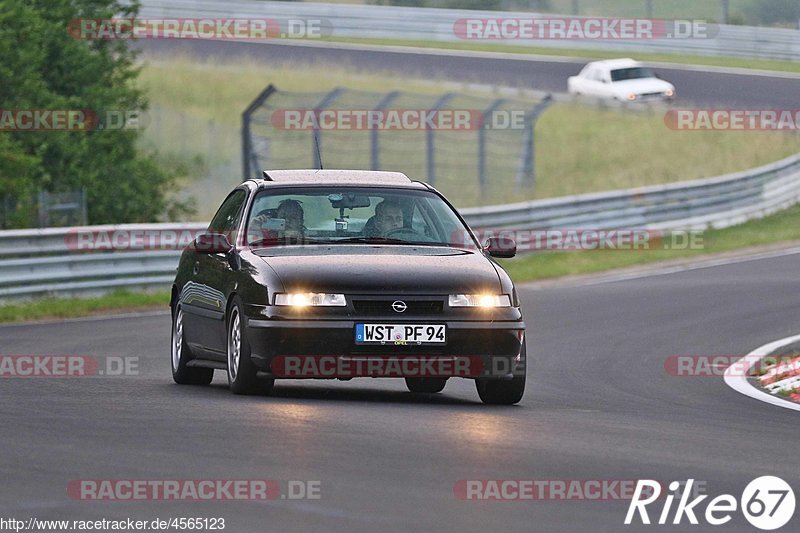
431	24
49	261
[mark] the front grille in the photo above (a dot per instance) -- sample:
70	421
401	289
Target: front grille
384	307
652	95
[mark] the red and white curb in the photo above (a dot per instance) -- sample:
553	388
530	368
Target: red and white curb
736	375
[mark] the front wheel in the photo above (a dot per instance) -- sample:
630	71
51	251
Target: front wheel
504	391
426	385
241	371
182	374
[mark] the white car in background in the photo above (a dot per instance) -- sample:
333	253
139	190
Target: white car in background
625	80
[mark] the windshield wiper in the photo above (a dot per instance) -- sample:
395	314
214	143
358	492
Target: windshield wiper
386	240
284	241
370	240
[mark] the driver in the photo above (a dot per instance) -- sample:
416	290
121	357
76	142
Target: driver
388	216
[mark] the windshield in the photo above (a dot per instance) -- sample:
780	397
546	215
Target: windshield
633	73
353	215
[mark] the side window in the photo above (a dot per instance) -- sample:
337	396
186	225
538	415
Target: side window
227	218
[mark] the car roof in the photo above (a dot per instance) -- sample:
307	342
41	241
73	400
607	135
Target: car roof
338	177
617	63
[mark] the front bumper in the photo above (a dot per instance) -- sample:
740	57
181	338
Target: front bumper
473	349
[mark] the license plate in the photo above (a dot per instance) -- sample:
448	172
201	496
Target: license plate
400	334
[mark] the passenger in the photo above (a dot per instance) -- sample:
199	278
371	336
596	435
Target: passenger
293	216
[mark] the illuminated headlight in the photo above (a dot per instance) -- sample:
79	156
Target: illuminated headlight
632	97
669	93
303	299
480	300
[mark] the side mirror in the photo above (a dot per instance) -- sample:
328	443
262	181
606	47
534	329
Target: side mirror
503	247
212	243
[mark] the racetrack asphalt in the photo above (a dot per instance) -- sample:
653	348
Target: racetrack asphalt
694	86
599	405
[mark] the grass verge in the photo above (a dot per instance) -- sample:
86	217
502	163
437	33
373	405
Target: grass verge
780	227
55	308
579	148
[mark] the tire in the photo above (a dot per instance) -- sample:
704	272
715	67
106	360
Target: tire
426	385
504	391
180	355
241	371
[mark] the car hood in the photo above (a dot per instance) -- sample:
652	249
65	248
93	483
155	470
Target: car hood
642	86
372	269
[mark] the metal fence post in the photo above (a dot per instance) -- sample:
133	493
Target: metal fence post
648	8
526	175
487	113
249	157
316	137
725	15
429	148
375	158
576	7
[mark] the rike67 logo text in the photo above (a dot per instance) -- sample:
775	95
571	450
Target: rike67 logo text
767	502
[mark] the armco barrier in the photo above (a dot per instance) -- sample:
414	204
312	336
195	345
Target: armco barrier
430	24
44	261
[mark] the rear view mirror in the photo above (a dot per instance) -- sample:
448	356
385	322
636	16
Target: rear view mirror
503	247
348	200
212	243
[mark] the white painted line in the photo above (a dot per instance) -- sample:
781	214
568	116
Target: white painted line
736	379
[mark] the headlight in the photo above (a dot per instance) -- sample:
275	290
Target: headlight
303	299
669	93
480	300
632	97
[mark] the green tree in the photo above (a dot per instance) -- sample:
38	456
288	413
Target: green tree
45	66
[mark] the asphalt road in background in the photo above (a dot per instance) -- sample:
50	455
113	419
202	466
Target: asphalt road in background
694	86
599	405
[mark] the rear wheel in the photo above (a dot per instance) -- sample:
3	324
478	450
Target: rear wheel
241	371
427	385
181	355
504	391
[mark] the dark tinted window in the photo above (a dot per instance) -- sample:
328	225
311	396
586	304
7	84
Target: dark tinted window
635	73
227	218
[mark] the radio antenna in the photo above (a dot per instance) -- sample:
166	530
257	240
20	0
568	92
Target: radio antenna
316	145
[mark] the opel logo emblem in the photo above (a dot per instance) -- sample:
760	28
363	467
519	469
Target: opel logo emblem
399	306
